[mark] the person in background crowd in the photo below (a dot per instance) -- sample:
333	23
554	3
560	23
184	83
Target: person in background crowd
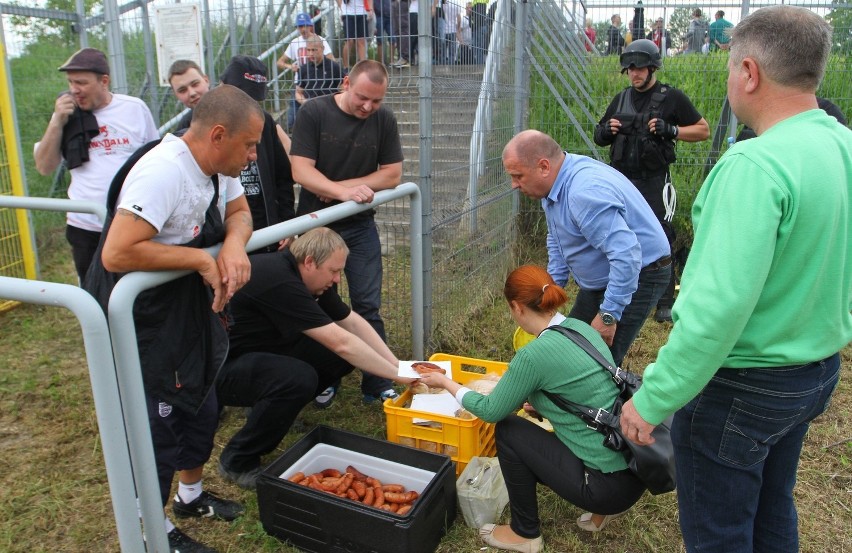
591	34
637	24
93	131
660	36
297	54
696	34
354	14
614	40
346	146
319	76
479	30
641	125
599	230
401	33
384	33
720	39
464	36
572	461
753	355
189	83
452	9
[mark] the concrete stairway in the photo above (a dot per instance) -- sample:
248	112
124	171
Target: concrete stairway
455	90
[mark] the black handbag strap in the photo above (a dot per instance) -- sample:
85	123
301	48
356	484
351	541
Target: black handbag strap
618	375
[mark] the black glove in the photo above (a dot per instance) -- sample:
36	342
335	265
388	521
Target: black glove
665	130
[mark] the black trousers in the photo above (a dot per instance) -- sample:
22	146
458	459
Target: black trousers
276	387
651	189
530	455
84	244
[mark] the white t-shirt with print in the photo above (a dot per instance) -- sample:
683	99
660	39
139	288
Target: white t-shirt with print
168	189
126	124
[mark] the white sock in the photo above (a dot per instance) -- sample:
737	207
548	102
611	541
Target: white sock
189	492
169	525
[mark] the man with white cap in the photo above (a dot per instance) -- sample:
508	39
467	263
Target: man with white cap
94	131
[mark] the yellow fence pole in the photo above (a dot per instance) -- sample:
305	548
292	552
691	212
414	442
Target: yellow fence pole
17	251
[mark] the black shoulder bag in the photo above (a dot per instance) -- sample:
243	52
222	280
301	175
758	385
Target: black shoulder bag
652	464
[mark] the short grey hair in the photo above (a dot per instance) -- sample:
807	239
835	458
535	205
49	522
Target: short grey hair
795	59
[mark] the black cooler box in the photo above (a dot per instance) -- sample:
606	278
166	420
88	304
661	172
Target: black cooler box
320	522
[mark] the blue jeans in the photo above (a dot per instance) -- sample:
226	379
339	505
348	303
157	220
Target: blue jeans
364	278
652	284
291	113
737	447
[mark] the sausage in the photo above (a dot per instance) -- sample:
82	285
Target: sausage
352	494
359	476
369	496
345	484
406	497
403	509
397	488
422	367
360	488
298	477
380	497
333	473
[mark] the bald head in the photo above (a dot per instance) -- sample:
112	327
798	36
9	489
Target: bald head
531	145
532	159
227	106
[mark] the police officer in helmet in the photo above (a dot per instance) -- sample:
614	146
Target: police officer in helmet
641	127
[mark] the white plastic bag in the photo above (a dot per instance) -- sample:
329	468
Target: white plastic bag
482	492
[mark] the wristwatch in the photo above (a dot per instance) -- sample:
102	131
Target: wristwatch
607	318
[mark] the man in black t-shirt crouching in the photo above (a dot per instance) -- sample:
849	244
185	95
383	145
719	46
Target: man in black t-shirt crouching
292	337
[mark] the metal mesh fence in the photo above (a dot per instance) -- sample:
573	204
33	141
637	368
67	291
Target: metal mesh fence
521	65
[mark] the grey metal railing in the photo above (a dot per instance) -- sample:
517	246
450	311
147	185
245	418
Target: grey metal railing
117	379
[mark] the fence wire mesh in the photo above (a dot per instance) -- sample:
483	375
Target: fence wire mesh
481	74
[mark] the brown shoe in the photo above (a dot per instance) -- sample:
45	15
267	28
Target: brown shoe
526	546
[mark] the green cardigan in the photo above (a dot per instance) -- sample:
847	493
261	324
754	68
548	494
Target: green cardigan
554	363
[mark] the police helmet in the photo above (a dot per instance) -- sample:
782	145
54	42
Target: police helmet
641	53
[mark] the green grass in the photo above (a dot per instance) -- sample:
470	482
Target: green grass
54	495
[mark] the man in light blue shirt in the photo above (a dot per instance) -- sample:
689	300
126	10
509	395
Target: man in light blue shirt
599	230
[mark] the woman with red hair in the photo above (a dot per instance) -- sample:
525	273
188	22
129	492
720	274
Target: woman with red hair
571	460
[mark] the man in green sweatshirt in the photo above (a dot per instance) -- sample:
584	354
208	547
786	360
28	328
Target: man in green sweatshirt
761	316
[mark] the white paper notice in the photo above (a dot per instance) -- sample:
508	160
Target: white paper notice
408	372
440	404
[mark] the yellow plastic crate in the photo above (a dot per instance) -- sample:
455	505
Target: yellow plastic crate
460	439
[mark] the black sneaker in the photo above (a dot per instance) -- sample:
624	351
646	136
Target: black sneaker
663	315
207	505
326	398
181	543
382	397
246	480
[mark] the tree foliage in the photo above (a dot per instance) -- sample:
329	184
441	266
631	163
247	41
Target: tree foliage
679	24
34	28
841	19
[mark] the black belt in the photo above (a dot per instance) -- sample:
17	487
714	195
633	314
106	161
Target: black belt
661	263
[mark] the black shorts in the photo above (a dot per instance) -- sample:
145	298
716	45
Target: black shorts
355	25
182	439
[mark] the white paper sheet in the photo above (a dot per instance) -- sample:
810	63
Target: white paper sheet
406	370
440	404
